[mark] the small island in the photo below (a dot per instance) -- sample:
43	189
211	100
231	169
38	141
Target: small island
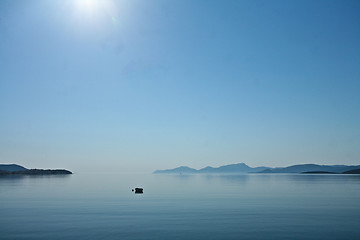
14	169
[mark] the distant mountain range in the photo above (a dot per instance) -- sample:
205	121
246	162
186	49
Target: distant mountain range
14	169
243	168
311	168
232	168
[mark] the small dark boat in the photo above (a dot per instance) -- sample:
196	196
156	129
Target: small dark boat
138	190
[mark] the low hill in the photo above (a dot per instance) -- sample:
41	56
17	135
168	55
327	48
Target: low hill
179	170
311	168
354	171
318	172
37	172
12	167
43	172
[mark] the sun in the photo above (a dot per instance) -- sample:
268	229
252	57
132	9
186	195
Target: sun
88	6
90	12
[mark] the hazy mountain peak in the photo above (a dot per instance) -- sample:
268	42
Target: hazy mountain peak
181	169
231	168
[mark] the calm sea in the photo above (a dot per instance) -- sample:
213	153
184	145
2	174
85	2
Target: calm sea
102	206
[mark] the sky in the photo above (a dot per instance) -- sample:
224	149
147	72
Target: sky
139	85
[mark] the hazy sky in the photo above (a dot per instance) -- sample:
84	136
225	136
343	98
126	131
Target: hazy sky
139	85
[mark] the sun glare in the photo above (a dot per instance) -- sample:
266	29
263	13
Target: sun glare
96	14
96	8
88	6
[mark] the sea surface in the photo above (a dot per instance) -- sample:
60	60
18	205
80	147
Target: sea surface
253	206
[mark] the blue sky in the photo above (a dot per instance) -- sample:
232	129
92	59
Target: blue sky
142	85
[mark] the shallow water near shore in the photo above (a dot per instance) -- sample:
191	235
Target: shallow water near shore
253	206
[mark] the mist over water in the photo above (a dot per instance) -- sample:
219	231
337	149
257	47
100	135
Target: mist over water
102	206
